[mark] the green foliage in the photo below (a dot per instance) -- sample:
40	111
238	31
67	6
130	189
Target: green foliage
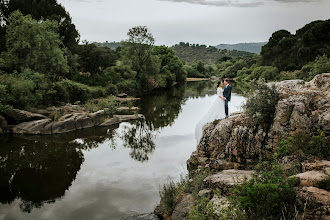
261	102
268	195
310	145
70	92
324	184
265	72
203	210
42	9
290	52
190	53
34	45
168	195
129	87
108	104
320	65
111	89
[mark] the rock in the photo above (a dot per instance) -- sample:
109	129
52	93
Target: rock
310	178
98	117
205	192
3	123
109	122
124	100
318	165
1	132
226	180
313	203
66	123
34	127
237	142
122	95
84	121
123	109
159	210
148	216
123	118
182	209
17	116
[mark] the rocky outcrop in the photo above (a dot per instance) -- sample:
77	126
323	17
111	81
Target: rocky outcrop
225	180
237	142
183	208
18	116
314	202
66	123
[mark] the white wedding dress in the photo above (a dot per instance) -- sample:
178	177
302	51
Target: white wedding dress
217	111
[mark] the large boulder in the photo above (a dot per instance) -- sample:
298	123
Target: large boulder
311	178
226	180
183	208
84	121
98	117
112	121
34	127
17	116
313	202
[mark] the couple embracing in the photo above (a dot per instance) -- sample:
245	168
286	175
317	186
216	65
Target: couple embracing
218	110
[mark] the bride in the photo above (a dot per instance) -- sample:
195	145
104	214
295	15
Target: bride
217	111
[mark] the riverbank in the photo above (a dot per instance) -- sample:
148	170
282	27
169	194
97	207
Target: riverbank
231	148
68	118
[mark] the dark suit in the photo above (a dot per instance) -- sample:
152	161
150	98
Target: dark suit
227	95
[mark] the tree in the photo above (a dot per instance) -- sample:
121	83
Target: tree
41	10
34	45
138	48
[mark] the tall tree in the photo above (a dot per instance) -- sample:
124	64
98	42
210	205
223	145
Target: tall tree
34	45
41	9
138	48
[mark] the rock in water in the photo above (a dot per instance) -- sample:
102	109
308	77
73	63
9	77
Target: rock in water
18	116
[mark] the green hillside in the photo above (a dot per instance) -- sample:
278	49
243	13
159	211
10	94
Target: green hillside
248	47
195	52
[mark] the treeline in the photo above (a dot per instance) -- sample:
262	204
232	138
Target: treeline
285	56
42	64
190	53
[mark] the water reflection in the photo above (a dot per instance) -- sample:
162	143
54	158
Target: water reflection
36	172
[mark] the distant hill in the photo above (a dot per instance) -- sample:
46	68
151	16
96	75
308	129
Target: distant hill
111	45
248	47
195	52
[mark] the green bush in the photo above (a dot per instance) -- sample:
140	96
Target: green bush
261	102
269	73
130	87
203	210
111	89
109	104
324	184
310	145
268	195
69	92
169	195
320	65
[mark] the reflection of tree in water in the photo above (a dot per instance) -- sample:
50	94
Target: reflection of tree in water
36	172
163	107
140	139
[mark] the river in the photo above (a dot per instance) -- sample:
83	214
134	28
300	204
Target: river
104	173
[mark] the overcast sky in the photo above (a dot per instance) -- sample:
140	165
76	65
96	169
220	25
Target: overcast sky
209	22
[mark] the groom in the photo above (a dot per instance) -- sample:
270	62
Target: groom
227	95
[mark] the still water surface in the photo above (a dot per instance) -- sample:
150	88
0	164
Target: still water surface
107	173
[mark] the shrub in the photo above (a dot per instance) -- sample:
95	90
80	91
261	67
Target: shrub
311	145
261	102
320	65
324	184
169	197
130	87
111	89
268	73
268	195
109	104
203	210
